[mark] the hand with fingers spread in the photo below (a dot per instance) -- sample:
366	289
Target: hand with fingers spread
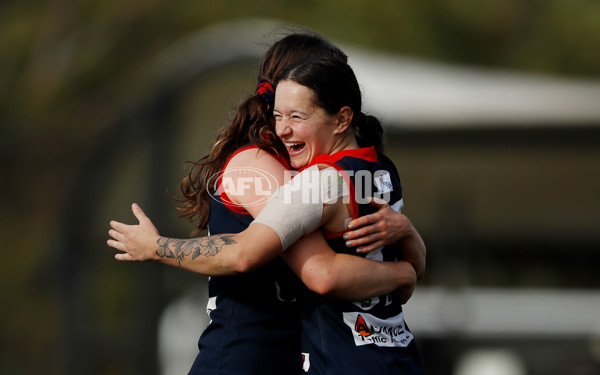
137	242
383	227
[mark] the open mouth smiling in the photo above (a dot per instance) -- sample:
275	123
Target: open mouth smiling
295	147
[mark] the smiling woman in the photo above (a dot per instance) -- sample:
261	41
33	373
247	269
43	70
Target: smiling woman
318	108
308	130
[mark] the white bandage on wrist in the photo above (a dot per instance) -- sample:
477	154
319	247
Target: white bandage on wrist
296	208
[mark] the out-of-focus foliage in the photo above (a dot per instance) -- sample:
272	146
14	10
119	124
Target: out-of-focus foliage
66	67
58	57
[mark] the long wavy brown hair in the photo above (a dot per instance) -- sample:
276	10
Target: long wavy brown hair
252	123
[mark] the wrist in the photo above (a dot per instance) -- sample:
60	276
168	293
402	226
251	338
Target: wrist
154	248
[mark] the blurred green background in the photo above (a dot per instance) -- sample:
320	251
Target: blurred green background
88	126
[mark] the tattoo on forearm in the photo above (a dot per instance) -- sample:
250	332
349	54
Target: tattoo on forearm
180	249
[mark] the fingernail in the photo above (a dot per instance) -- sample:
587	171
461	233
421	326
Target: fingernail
349	243
359	250
350	226
345	236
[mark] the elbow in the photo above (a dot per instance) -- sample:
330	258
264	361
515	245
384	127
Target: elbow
408	287
320	283
244	265
243	262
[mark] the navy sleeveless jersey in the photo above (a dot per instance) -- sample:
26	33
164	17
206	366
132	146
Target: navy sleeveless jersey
358	337
254	328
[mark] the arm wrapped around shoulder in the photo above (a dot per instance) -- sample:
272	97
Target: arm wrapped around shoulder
296	208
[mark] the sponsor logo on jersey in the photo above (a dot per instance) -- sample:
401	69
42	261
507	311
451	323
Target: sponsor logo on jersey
368	329
362	328
383	183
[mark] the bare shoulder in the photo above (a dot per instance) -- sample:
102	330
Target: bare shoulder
250	178
256	158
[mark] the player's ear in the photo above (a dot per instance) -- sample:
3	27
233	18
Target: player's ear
344	118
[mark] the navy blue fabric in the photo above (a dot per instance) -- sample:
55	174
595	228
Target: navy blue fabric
255	329
328	343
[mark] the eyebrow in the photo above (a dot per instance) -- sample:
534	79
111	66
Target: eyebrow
293	111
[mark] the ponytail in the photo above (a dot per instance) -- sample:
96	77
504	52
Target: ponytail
369	132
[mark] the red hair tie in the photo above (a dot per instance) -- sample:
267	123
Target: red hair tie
265	90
